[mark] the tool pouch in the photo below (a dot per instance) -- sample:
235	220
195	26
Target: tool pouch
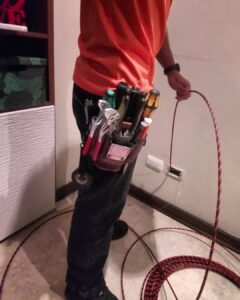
114	156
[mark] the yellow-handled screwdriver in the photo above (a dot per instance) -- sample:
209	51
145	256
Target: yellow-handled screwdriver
151	103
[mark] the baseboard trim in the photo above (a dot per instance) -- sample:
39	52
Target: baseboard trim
224	238
66	190
185	218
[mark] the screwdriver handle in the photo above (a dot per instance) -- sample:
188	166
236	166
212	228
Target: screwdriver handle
110	97
122	90
139	108
152	103
134	95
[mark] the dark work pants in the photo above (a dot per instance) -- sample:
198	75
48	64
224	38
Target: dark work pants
95	212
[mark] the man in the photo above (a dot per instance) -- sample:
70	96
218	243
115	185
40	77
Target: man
119	41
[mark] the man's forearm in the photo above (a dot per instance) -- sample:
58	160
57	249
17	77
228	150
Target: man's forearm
165	56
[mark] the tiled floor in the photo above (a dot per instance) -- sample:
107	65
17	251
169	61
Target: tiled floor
38	270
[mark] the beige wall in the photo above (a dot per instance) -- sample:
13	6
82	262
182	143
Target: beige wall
205	41
66	30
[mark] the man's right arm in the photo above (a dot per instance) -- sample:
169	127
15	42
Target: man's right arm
175	80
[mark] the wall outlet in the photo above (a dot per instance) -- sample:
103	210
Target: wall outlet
176	173
154	163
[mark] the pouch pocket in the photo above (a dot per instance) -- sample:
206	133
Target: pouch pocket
114	156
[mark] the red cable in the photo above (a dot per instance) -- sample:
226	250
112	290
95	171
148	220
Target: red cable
162	270
227	273
187	262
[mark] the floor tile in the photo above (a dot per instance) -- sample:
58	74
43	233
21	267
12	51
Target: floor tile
38	270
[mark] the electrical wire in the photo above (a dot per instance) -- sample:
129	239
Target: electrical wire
21	244
140	238
156	277
162	270
173	264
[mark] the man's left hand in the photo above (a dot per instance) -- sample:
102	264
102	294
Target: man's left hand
180	84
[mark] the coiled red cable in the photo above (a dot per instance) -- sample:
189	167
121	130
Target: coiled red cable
174	264
162	270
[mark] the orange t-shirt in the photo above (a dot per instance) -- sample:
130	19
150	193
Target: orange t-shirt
118	42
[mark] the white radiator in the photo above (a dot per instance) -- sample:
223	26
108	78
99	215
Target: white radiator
27	167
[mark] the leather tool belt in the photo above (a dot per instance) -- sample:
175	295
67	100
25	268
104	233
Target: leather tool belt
117	134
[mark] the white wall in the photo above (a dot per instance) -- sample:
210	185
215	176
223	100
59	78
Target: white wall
66	31
205	41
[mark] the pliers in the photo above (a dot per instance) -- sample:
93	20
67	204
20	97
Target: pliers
107	121
95	122
103	130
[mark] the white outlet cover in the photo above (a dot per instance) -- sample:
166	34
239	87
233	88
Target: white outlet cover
155	163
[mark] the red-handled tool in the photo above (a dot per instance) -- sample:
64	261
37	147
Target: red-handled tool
111	117
94	124
145	126
103	130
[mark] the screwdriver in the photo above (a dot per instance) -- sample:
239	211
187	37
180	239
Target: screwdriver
144	130
134	94
122	109
110	97
138	110
122	90
151	103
